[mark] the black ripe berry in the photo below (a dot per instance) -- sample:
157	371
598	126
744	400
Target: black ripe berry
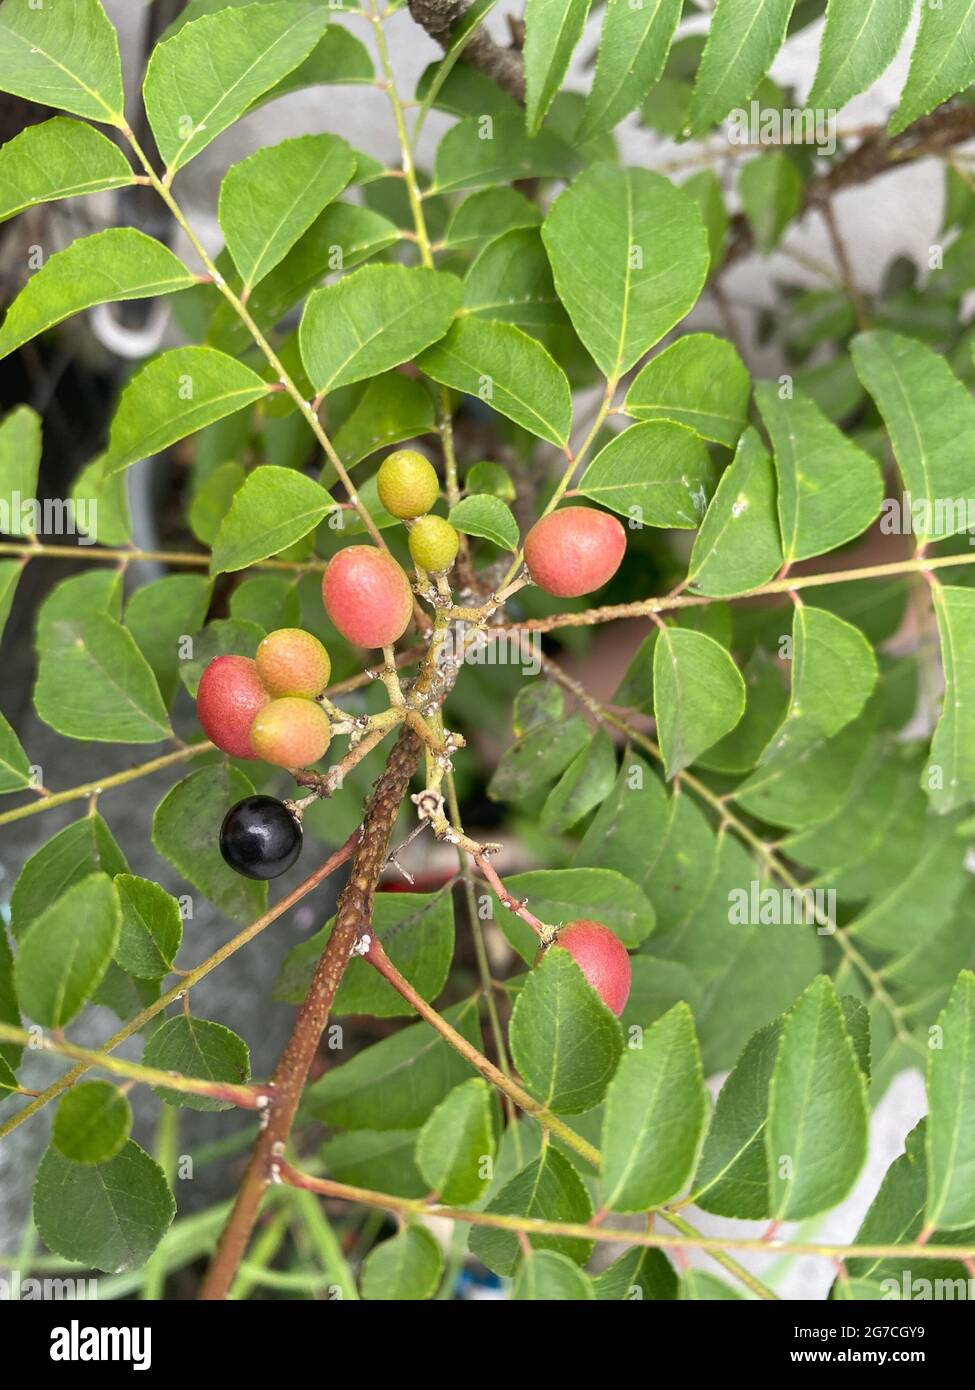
260	837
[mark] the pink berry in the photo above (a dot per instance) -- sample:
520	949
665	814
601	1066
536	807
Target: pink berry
367	596
229	698
574	551
602	958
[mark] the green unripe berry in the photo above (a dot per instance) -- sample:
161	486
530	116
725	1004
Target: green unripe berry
407	483
433	544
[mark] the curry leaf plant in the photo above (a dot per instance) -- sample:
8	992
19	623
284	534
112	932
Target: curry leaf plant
455	493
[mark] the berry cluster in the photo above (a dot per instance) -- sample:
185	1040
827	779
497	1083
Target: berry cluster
274	708
266	708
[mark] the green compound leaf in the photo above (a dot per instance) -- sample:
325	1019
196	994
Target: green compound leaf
511	280
373	320
94	683
58	966
564	1040
160	615
941	63
472	155
84	847
212	70
92	1122
699	381
60	158
698	695
552	30
737	547
743	38
633	48
405	1267
119	263
653	260
640	1273
949	777
656	1113
483	515
950	1129
201	1049
658	474
20	458
818	1119
546	1276
930	417
549	1189
770	189
417	932
174	395
564	895
829	490
858	43
499	364
152	928
63	53
274	508
108	1216
834	672
270	199
14	768
398	1082
456	1146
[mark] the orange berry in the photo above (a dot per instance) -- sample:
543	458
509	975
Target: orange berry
367	596
291	732
291	661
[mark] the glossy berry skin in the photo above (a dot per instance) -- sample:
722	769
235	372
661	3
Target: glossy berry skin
574	551
291	661
433	544
291	732
260	838
602	958
230	696
367	596
407	484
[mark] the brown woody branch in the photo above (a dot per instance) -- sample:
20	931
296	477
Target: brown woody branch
353	915
503	65
877	154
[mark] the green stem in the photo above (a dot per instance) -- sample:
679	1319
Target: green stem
104	784
255	1097
186	982
315	1224
167	1154
306	408
647	608
129	554
688	1239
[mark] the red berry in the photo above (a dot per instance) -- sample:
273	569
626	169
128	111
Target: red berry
367	596
574	551
228	700
602	958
